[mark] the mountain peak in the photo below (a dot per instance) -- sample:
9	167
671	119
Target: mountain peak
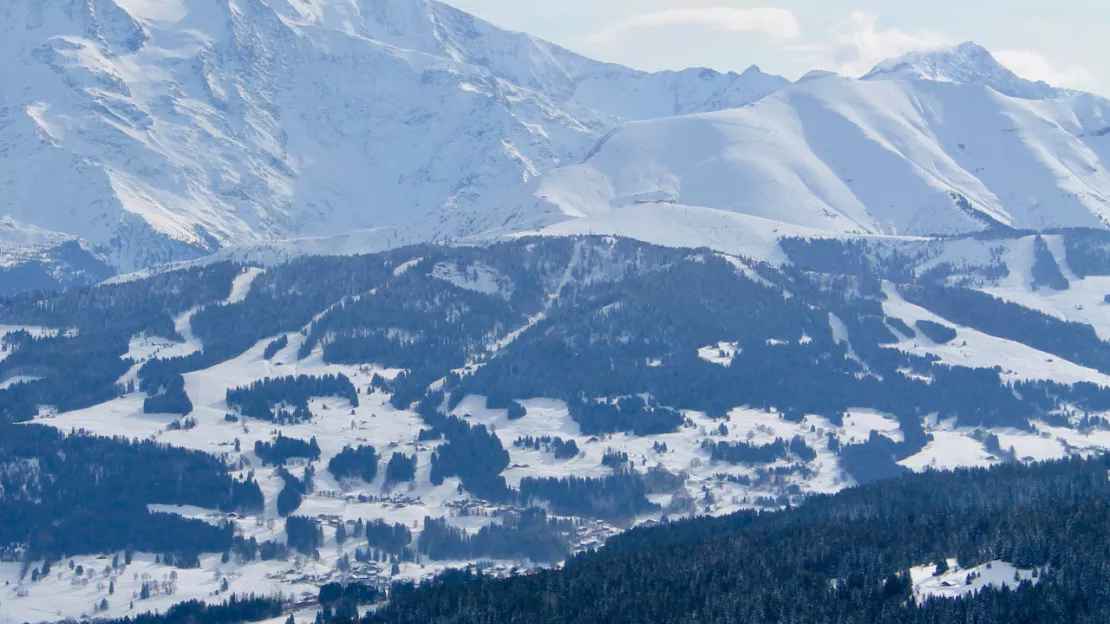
159	177
14	233
816	74
966	63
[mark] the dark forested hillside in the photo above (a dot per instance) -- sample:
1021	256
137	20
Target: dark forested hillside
834	559
82	494
534	396
640	315
636	311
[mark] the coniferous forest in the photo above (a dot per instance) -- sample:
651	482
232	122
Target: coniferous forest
634	340
83	494
843	558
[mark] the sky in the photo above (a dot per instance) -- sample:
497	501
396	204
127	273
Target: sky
1059	41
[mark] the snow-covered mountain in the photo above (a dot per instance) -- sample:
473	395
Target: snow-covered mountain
163	129
967	63
935	143
35	259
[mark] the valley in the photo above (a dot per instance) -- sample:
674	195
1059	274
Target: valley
596	455
344	311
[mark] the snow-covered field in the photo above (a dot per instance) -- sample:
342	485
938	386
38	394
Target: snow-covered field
975	349
1083	301
951	449
678	225
63	594
957	582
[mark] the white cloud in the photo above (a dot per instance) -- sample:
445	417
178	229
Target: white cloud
778	24
857	44
1033	65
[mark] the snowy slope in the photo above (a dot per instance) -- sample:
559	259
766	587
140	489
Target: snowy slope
15	234
569	79
159	130
909	153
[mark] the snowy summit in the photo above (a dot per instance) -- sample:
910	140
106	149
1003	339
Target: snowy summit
967	63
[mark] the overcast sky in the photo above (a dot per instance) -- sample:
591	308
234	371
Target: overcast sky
1060	41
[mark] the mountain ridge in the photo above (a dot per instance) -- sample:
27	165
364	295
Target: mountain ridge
876	156
179	128
965	63
194	124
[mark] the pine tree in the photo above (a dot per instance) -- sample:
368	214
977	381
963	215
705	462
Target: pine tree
942	566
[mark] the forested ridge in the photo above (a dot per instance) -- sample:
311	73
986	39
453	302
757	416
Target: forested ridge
638	312
842	558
